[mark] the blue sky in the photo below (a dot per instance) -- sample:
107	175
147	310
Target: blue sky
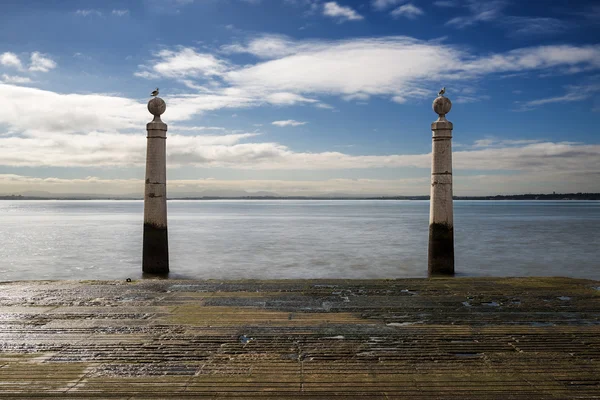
299	97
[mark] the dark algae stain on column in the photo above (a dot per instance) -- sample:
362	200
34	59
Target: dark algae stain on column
441	249
156	250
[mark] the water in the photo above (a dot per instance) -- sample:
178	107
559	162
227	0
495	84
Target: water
297	239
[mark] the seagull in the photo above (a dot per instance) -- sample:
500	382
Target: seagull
155	93
441	93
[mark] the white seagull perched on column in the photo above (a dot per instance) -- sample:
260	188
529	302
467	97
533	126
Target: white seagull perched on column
154	93
441	92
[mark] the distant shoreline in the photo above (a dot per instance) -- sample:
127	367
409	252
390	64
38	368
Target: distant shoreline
553	196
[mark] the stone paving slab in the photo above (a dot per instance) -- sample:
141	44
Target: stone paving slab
460	338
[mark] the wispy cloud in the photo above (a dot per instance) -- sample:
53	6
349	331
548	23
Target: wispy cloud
289	122
590	12
492	11
407	10
120	13
15	79
446	3
502	143
342	13
533	26
172	7
381	5
88	13
479	11
573	93
463	99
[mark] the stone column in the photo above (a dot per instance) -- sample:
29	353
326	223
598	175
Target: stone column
155	258
441	226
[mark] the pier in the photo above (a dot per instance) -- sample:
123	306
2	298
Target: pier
442	338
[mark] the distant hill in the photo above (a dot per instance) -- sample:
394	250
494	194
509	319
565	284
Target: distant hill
274	196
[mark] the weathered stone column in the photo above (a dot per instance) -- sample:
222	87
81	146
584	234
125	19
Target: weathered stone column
441	225
156	247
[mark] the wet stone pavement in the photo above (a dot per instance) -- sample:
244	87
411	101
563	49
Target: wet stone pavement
461	338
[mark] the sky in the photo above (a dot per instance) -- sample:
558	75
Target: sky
299	97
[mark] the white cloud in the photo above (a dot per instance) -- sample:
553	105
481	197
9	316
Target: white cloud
41	63
88	13
367	66
26	109
15	79
519	164
407	10
9	59
283	98
289	122
542	57
186	62
265	46
399	68
40	148
380	5
183	107
343	13
88	138
120	13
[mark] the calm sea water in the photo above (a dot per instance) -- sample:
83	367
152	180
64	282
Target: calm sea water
297	239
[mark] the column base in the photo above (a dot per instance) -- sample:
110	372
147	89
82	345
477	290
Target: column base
441	250
155	258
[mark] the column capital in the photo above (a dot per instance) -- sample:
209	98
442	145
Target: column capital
441	125
156	126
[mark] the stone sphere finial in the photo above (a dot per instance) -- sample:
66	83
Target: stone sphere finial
442	105
157	106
